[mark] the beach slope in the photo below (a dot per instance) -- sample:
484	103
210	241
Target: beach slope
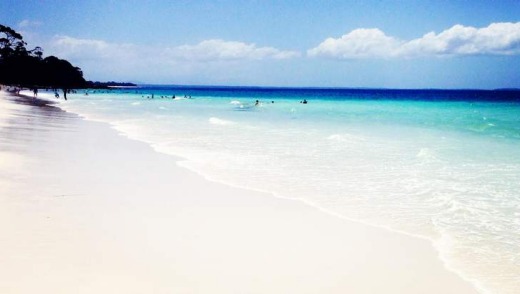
86	210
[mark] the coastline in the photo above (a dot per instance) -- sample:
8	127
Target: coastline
86	210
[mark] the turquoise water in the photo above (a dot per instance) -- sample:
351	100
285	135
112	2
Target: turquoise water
441	165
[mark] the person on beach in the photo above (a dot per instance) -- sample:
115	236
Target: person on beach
257	102
35	91
56	95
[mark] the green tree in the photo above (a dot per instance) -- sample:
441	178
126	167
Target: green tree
11	43
60	74
28	68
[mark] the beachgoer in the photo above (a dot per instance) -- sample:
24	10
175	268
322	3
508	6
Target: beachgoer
257	102
35	91
56	95
304	101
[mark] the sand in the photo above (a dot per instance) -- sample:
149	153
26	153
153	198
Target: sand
86	210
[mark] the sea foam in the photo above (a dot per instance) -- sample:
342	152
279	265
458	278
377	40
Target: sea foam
437	169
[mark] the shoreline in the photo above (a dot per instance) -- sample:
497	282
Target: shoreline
180	160
353	254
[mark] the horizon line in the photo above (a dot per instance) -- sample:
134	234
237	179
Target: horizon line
323	87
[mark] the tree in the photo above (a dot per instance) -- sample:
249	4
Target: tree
11	43
28	68
60	74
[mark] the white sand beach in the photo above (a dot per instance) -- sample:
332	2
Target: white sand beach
86	210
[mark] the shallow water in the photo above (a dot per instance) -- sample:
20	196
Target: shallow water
442	165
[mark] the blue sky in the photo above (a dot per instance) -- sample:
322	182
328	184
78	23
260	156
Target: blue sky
392	44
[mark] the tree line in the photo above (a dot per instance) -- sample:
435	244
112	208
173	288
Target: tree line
26	68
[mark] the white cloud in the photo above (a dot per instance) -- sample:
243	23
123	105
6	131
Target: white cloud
496	39
360	43
216	58
212	50
209	50
29	23
69	47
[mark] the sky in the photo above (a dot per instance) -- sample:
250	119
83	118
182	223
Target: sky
374	43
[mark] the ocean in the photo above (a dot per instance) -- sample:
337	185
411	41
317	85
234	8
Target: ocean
443	165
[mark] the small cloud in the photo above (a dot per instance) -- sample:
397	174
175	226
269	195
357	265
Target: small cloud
70	47
217	50
360	43
459	40
29	23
